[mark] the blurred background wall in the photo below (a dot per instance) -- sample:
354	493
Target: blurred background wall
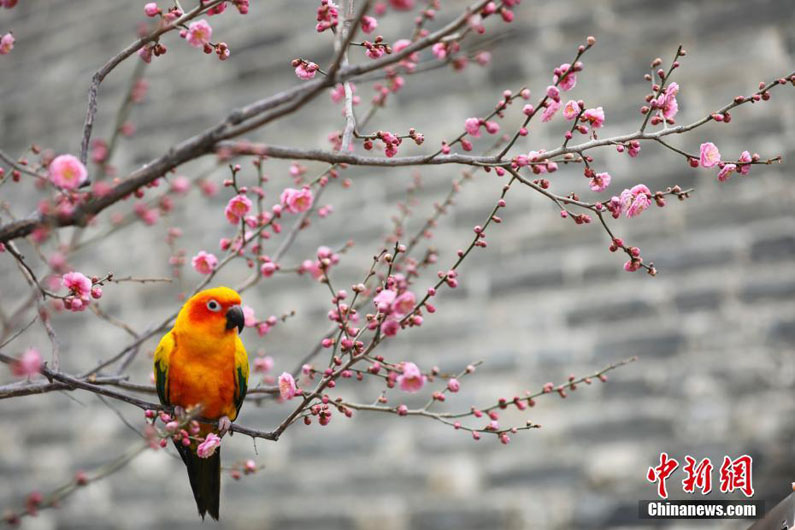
714	332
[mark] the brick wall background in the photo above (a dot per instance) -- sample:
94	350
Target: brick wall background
715	331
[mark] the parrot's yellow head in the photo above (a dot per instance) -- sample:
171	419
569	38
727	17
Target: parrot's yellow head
214	311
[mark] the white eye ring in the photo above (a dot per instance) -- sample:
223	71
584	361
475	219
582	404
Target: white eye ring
213	306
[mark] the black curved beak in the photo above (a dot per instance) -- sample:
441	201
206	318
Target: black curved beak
235	318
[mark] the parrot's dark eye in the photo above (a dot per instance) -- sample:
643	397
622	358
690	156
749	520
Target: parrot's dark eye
214	306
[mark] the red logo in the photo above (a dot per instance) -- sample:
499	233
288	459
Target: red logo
734	475
698	475
660	473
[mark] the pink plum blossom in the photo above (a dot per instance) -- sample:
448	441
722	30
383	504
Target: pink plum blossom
145	54
127	128
492	127
263	328
483	58
237	208
472	127
383	300
306	70
408	62
324	252
571	110
402	5
204	262
312	267
249	319
412	379
151	9
28	365
297	201
669	105
400	45
207	448
287	388
635	200
710	156
600	182
327	16
743	169
553	93
404	304
99	151
476	23
439	50
390	327
632	265
338	94
80	291
199	33
268	269
726	172
263	364
77	283
148	215
453	385
217	10
66	171
614	206
596	117
569	81
208	188
242	6
180	185
374	52
6	44
550	111
368	24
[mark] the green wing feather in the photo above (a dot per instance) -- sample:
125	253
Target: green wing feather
162	357
241	373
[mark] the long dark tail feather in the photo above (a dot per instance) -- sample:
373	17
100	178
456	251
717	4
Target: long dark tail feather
205	479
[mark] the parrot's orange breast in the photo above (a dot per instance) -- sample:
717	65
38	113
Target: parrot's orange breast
203	374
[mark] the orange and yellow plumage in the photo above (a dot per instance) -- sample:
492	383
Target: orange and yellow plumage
202	361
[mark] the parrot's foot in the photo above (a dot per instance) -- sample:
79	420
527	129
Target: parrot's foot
224	424
179	412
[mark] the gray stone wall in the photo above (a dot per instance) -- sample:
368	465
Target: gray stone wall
715	331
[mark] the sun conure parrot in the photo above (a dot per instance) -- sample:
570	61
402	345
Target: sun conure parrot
202	361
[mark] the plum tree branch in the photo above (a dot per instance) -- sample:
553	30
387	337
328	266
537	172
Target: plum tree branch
117	59
236	123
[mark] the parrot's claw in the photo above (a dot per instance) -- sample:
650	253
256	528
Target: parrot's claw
224	424
179	412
